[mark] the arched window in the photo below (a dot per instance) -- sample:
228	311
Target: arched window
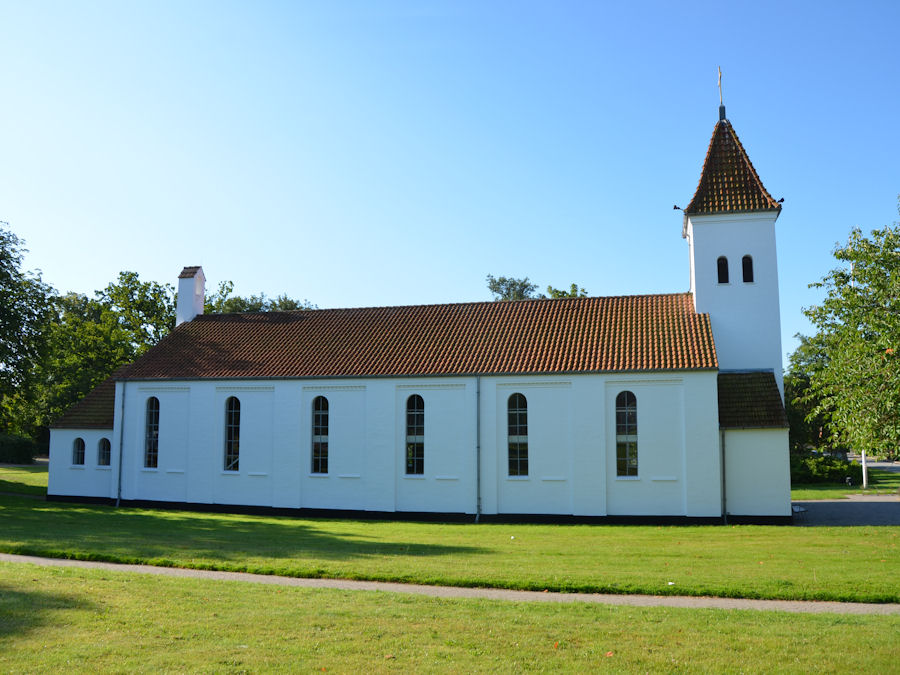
151	434
747	266
320	435
626	435
415	435
517	435
722	265
103	452
232	434
78	451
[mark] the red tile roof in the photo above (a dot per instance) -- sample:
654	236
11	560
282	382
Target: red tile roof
94	411
750	401
728	182
612	334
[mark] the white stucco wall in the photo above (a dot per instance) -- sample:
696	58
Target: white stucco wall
83	480
745	317
757	472
571	443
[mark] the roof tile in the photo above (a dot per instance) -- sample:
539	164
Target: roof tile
611	334
728	181
750	401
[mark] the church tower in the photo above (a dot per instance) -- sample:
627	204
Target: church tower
730	229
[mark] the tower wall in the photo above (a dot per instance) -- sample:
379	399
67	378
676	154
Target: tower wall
745	316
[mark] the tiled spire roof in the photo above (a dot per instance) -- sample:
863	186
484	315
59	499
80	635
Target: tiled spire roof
728	182
611	334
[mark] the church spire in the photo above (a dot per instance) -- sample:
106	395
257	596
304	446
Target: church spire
728	181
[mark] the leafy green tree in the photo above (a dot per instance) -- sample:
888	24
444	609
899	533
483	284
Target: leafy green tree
509	288
808	426
573	292
24	311
223	302
144	310
856	385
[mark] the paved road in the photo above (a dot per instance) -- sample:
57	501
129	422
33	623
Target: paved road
486	593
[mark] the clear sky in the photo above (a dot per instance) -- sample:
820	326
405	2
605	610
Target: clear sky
381	152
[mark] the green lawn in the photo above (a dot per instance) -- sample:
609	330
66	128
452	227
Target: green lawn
854	563
54	620
29	480
880	483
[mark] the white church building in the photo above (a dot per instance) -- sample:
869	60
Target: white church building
662	407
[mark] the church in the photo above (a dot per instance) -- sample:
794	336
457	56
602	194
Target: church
661	407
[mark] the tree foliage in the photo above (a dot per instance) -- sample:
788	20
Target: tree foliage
854	382
573	292
510	288
24	311
223	302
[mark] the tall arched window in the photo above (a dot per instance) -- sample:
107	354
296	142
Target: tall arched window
415	435
232	434
722	266
151	434
747	266
103	448
517	435
320	435
626	435
78	451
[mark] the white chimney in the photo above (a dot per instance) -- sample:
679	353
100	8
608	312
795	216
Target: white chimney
191	294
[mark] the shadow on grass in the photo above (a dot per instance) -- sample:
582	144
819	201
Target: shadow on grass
165	537
24	611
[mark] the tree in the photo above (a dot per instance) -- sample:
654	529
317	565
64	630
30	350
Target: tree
510	288
223	302
145	310
856	384
573	292
24	311
808	426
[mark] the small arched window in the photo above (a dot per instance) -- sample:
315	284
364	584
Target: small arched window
151	434
626	434
103	448
320	435
232	434
415	435
747	267
517	435
722	266
78	451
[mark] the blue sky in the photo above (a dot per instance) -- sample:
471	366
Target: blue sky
379	153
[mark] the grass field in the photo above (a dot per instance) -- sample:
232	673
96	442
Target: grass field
29	480
54	620
880	483
854	563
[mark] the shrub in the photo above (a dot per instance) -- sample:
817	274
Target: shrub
17	449
812	467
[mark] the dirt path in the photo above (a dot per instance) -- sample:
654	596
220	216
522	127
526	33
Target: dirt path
487	593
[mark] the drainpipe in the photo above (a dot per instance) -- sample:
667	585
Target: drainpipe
477	448
724	492
121	443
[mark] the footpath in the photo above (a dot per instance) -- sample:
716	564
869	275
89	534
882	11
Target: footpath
806	607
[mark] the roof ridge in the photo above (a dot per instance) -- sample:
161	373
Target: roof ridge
216	315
